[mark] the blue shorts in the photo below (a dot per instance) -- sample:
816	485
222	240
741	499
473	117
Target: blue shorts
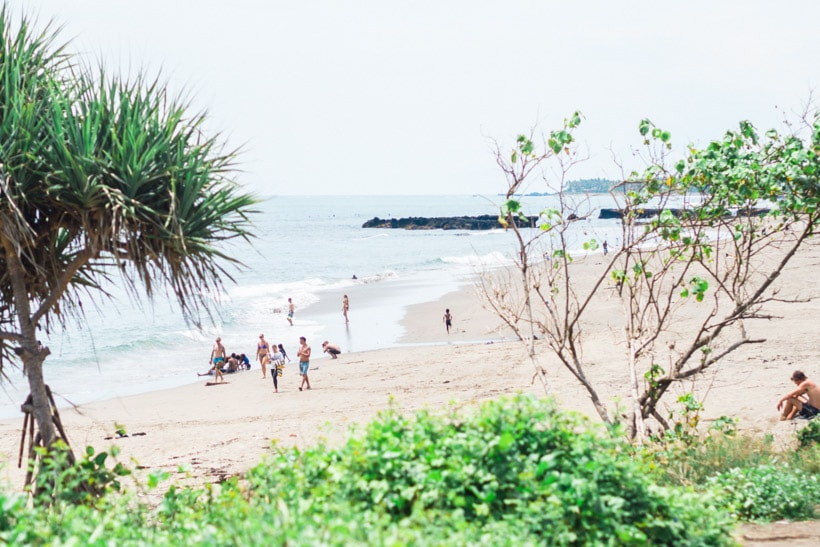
303	367
218	360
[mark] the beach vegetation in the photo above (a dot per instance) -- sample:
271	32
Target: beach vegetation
514	471
809	435
689	280
769	492
103	178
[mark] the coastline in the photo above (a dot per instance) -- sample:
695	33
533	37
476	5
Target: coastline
220	430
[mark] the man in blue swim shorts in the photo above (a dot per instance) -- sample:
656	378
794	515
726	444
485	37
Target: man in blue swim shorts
218	352
803	402
304	362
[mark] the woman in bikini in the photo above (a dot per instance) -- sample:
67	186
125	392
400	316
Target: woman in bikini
263	354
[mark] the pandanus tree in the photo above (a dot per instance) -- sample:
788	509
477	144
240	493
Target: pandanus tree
690	278
102	179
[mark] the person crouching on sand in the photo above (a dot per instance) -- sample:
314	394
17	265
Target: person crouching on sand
332	349
803	402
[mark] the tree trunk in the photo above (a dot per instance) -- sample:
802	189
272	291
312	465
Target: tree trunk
29	353
40	402
637	411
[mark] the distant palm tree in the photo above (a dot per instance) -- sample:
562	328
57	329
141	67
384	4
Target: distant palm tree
100	178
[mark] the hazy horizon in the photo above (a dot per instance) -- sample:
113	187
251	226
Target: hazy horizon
366	97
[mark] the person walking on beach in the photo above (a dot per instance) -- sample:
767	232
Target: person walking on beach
803	402
606	248
291	307
217	353
284	353
345	307
448	320
304	362
276	367
263	353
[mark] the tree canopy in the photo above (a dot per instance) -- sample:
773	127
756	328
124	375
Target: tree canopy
102	178
747	203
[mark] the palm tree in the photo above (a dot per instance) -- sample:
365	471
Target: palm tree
100	178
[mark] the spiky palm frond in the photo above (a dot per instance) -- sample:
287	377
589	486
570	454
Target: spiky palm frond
103	176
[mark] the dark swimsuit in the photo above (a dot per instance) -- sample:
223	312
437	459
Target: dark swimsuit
808	411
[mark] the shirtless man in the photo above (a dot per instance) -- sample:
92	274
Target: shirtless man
304	362
448	320
217	353
332	349
291	308
216	360
803	401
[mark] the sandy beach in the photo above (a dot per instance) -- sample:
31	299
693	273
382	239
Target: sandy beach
216	431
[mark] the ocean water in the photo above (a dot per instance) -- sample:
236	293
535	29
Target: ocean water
307	248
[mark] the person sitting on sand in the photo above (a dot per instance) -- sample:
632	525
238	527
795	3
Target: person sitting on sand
232	364
214	371
803	402
332	349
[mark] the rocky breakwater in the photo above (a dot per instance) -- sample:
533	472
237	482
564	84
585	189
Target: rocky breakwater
646	213
481	222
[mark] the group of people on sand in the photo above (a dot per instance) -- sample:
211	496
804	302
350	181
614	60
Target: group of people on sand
271	356
222	363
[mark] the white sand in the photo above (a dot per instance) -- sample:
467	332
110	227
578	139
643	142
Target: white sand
221	430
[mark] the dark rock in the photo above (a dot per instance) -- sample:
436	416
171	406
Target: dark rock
481	222
679	213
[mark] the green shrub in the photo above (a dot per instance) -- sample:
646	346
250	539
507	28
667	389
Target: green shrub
514	472
809	435
769	492
554	476
83	482
692	464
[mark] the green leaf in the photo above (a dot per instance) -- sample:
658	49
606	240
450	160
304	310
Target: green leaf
644	127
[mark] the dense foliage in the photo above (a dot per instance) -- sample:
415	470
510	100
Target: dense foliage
102	178
809	435
514	472
769	492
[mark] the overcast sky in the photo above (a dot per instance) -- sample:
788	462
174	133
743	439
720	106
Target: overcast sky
386	97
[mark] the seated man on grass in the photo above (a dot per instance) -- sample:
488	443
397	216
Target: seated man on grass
803	402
